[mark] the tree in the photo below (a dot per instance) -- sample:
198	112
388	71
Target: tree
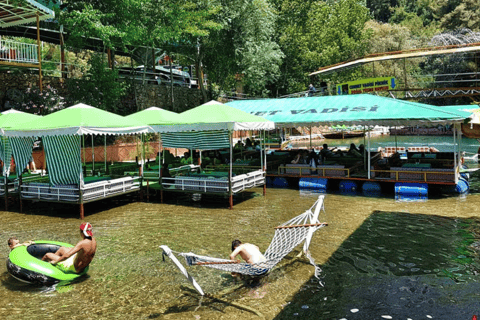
243	46
457	14
317	33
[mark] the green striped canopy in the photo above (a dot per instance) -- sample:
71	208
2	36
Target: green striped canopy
214	115
78	120
198	140
360	109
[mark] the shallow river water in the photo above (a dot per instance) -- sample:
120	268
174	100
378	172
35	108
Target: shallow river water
381	259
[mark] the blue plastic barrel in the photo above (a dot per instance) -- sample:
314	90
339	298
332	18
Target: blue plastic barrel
371	189
280	182
411	191
462	186
270	181
313	183
348	186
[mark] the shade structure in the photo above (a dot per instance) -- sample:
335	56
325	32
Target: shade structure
156	117
14	13
78	120
214	115
361	109
15	118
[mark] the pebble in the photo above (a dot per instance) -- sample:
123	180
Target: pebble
354	310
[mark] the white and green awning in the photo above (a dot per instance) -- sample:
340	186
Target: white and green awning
79	119
215	116
361	109
197	140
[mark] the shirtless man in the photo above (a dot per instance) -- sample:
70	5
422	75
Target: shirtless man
76	259
13	243
249	252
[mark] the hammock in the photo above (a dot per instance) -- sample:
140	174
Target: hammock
287	237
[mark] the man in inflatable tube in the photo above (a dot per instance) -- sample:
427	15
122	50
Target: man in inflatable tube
74	260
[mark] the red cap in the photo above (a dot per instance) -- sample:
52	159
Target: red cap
87	229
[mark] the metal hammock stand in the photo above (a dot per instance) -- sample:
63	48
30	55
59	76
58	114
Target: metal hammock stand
287	236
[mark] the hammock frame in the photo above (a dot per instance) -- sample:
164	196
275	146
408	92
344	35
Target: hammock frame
287	236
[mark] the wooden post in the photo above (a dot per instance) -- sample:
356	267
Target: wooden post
39	51
109	56
62	56
148	186
82	212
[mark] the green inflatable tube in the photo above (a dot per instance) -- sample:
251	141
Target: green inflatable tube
24	263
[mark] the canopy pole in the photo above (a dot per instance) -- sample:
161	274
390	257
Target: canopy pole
369	159
160	168
105	153
230	193
310	137
364	143
93	158
84	154
396	146
265	168
454	152
144	156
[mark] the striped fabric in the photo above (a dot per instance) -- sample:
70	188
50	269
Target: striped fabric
22	152
64	163
198	140
5	155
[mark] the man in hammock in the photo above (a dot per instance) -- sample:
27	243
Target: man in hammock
249	252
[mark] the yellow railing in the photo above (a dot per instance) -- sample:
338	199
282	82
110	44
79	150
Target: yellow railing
424	173
310	169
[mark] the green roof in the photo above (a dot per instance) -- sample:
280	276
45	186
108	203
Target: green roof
214	115
156	116
77	120
361	109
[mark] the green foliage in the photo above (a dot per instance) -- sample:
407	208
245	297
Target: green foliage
457	14
317	33
98	88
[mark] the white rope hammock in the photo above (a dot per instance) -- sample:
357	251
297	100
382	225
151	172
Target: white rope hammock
287	236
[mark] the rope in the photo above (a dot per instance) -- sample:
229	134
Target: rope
287	236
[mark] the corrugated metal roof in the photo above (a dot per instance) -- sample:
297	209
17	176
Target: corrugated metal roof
399	55
13	13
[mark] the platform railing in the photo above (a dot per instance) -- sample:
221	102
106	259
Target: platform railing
424	175
307	171
13	51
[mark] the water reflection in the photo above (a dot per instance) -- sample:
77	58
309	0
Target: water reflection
400	266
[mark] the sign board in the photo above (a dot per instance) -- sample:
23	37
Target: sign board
366	85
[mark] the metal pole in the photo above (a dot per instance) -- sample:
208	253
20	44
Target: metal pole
230	193
105	153
93	158
39	51
368	154
454	152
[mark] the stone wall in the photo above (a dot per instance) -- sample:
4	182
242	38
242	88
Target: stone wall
13	84
161	96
